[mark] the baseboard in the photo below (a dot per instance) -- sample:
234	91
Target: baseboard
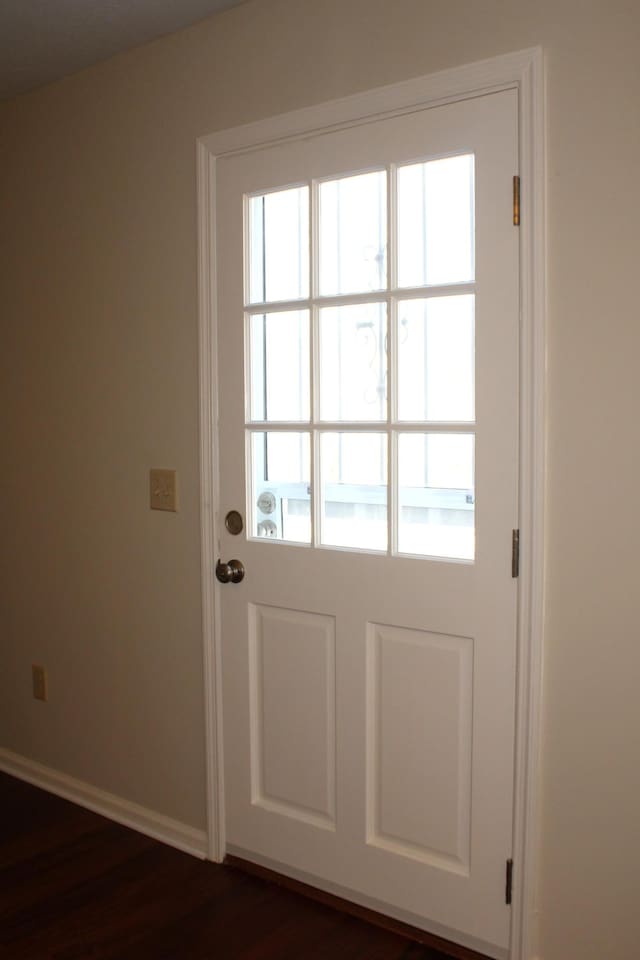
150	822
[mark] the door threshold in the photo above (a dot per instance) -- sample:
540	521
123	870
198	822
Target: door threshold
406	930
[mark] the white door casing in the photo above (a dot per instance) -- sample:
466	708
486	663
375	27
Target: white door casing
397	647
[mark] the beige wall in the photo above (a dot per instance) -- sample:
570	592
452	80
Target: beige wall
98	382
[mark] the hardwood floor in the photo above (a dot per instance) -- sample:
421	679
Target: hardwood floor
75	886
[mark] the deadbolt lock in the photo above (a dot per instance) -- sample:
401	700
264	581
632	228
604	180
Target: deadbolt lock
234	522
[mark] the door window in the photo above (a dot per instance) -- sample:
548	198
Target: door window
360	399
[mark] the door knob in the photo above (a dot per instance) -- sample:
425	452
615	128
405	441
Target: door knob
232	572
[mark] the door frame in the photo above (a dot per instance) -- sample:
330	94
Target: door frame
523	71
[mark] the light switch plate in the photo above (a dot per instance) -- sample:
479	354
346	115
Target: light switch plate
162	490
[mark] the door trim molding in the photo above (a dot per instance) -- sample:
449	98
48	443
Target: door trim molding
523	71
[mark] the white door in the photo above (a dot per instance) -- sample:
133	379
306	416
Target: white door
368	430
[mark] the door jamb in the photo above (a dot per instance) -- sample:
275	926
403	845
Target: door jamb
523	71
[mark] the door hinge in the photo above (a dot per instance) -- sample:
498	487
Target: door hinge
515	553
508	883
516	201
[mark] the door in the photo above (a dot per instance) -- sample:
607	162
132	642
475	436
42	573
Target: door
368	434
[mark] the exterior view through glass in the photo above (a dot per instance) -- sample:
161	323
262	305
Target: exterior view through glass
360	332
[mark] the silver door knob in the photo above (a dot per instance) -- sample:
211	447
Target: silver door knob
232	572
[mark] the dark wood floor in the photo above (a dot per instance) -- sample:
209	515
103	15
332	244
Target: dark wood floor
75	886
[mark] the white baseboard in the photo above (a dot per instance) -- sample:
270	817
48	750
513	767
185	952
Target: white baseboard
152	824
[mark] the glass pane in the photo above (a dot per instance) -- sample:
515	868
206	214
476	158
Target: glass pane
281	488
436	495
279	245
436	359
353	234
435	222
353	362
354	490
279	347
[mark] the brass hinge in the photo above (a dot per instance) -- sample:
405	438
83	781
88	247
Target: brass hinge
508	883
515	553
516	201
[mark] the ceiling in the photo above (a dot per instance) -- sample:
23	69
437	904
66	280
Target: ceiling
43	40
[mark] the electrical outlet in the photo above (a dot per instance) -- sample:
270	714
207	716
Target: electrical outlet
162	490
39	678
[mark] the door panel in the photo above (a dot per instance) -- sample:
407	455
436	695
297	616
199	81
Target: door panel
369	429
419	696
293	768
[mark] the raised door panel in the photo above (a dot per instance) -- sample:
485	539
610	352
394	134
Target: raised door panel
292	704
419	706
